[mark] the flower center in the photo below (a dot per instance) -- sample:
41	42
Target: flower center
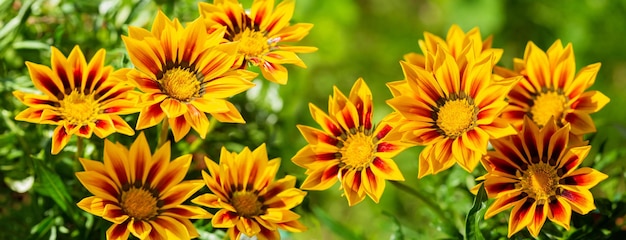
139	203
547	104
252	43
79	109
247	204
455	116
357	151
181	84
540	181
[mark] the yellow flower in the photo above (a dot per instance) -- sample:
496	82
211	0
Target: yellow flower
453	113
81	98
535	173
250	202
551	88
184	73
350	148
456	43
141	193
261	32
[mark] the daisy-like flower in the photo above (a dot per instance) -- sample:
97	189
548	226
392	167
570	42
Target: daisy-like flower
184	73
456	43
141	193
81	98
251	202
552	88
262	32
453	113
350	148
535	172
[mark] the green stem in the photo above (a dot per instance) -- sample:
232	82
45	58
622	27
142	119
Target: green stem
165	127
80	148
427	201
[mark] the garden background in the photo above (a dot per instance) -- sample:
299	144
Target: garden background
356	38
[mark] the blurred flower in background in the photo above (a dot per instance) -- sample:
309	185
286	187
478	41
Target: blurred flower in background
261	30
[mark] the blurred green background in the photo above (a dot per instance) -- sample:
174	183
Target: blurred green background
356	38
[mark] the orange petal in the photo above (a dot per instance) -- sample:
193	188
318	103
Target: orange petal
521	216
60	138
117	232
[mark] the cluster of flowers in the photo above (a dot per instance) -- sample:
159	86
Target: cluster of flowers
454	100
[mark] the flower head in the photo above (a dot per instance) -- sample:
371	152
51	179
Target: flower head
453	113
250	201
261	32
551	88
184	73
141	193
535	172
81	98
349	147
457	44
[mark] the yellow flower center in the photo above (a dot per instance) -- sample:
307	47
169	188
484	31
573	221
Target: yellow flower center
139	203
180	83
540	181
357	151
247	204
79	109
456	116
547	104
252	43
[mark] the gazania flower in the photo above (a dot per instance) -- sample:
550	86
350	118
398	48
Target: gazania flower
79	97
261	32
551	88
141	193
534	172
453	113
350	148
184	73
457	44
250	202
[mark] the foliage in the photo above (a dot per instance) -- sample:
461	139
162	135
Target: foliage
364	38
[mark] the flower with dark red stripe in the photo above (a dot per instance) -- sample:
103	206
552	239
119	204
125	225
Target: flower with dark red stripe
184	73
552	88
451	108
250	202
141	193
261	31
80	98
349	147
535	172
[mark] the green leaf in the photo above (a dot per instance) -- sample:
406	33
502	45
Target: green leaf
397	234
472	222
43	227
341	230
50	185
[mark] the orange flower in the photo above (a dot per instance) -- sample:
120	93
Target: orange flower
550	88
250	202
452	112
350	148
261	32
534	172
141	193
81	98
456	43
184	73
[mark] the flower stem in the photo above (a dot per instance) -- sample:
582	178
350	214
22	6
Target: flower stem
80	148
165	127
429	203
